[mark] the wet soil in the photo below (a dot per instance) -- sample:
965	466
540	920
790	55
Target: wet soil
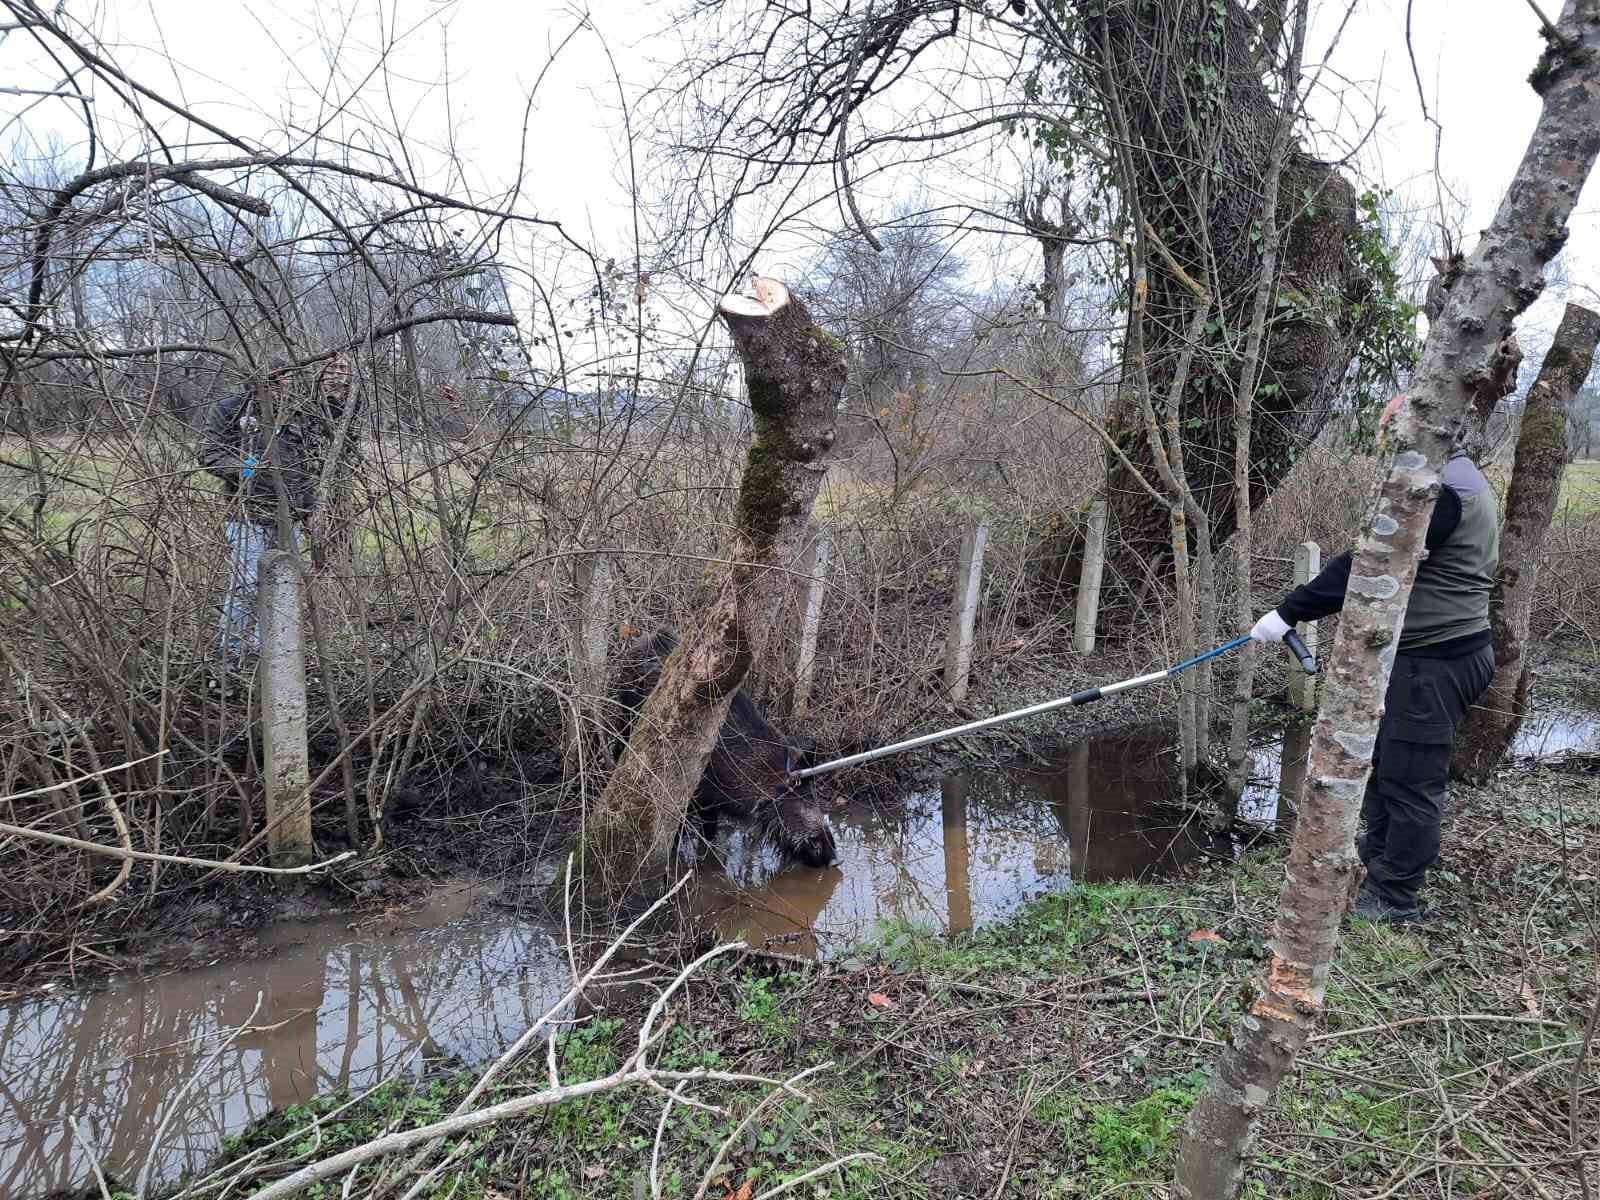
1054	1053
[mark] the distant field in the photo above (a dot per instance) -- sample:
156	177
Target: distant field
85	478
1580	489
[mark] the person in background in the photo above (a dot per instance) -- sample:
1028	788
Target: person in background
254	463
1444	663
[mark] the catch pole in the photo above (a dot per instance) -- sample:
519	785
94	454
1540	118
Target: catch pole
1076	700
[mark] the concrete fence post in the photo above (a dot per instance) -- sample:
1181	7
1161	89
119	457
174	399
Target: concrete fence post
964	614
805	663
593	627
1094	561
589	633
1303	687
283	710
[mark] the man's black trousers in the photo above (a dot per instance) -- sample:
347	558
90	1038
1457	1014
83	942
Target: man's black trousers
1405	795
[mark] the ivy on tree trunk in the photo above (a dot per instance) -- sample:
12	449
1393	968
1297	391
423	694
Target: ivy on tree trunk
1194	93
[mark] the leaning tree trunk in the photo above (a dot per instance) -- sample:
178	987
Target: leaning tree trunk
1492	724
795	374
1500	279
1152	52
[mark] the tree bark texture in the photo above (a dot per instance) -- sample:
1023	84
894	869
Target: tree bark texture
1193	94
794	374
1541	456
1501	278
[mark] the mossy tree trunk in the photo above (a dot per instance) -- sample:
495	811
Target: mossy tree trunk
1500	279
1492	724
795	374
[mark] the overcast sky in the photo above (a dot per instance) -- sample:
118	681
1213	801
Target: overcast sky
249	64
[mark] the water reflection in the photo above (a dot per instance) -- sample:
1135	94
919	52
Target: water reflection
1277	777
1556	730
971	852
957	855
339	1008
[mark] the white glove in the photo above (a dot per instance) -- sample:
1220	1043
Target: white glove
1270	628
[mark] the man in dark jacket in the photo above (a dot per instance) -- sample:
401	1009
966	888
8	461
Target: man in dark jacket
1443	664
269	439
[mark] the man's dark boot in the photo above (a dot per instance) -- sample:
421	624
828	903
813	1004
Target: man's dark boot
1370	906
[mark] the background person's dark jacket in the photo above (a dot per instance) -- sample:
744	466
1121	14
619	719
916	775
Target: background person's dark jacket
296	454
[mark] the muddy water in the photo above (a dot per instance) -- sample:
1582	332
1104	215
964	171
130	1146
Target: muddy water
982	843
345	1007
969	851
339	1007
148	1068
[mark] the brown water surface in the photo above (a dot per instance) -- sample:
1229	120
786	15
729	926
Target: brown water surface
339	1007
971	850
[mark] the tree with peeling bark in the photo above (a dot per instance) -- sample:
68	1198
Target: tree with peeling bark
795	375
1498	281
1541	456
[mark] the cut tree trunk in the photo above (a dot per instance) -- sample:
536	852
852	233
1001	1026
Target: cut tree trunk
795	374
1500	279
1492	724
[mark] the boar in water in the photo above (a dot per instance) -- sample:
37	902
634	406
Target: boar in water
747	776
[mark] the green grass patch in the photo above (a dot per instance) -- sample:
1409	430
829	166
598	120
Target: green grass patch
762	1006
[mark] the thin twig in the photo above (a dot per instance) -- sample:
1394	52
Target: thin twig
1572	1092
1016	1135
77	779
141	1188
60	839
93	1152
661	1132
1546	27
1464	1018
859	1156
727	1143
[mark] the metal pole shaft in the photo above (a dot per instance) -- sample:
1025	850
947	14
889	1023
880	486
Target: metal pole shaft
1077	698
927	738
1033	710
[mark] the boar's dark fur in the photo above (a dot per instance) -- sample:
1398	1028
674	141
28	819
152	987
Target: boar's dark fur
747	776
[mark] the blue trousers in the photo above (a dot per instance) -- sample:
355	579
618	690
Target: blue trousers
239	635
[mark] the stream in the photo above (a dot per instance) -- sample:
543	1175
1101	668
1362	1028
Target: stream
152	1066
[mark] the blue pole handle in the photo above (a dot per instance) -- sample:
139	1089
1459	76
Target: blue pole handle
1200	658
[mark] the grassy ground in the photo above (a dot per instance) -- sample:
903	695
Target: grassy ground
1057	1055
